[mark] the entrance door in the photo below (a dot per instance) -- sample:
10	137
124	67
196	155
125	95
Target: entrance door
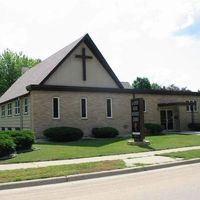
166	118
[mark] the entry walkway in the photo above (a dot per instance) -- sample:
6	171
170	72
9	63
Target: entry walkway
130	159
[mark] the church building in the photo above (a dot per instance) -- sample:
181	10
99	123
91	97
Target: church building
76	87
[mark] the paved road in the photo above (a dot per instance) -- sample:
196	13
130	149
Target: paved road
177	183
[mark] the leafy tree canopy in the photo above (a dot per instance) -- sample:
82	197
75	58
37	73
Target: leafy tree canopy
141	83
155	86
173	87
144	83
11	64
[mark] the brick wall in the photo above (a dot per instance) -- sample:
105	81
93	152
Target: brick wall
70	111
152	114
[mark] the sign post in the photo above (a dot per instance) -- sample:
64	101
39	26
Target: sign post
137	113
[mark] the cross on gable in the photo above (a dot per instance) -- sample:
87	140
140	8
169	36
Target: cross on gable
83	56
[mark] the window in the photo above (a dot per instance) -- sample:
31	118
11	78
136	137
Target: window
17	129
3	128
9	109
84	108
9	129
56	108
3	112
145	106
26	105
109	108
17	107
191	106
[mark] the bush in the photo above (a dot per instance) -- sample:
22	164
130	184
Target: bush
104	132
153	129
23	139
63	134
7	145
194	126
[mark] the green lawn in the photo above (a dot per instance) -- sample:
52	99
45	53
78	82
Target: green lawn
184	154
61	170
99	147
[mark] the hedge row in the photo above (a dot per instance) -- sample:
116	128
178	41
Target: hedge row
7	145
63	134
194	126
105	132
153	129
66	134
11	141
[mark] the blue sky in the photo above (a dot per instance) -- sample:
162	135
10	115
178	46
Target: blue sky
192	30
158	39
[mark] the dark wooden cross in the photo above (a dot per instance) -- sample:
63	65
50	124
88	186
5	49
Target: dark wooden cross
83	56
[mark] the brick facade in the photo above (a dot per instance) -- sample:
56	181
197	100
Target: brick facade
41	104
181	117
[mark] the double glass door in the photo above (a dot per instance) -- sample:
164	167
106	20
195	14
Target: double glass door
166	118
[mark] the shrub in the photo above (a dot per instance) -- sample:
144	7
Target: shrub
105	132
63	134
7	145
153	129
23	139
194	126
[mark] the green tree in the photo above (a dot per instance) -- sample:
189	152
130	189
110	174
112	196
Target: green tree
11	64
144	83
173	87
155	86
141	83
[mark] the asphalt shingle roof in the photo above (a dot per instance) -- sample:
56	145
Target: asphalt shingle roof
37	74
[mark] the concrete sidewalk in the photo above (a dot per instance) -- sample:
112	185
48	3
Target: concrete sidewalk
130	159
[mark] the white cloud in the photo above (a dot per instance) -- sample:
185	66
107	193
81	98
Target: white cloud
137	37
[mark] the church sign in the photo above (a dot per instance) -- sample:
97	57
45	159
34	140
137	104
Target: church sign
137	113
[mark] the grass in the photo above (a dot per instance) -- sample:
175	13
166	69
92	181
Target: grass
184	154
61	170
100	147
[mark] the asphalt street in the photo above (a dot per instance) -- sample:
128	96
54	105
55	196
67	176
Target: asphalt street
176	183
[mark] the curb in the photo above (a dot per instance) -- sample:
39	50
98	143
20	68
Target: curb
78	177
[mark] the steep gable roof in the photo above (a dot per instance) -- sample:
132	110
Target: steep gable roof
38	74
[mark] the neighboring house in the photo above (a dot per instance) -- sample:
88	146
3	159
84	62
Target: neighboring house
76	87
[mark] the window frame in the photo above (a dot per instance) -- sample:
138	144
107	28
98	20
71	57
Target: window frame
86	108
145	105
189	106
111	108
17	107
58	98
9	109
3	111
26	105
